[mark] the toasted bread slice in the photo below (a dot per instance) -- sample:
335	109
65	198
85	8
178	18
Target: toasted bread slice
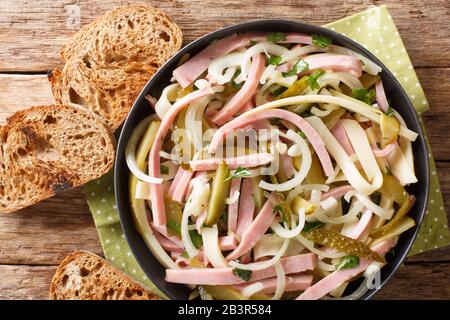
108	62
47	149
85	276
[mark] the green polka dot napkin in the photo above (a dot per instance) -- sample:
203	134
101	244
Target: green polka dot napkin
376	31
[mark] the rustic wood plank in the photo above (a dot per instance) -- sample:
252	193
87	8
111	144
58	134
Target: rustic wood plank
44	233
20	91
25	282
418	281
33	32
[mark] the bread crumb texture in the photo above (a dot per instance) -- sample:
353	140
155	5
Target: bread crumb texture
108	62
86	276
48	149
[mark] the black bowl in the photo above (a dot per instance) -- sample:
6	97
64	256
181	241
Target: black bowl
154	270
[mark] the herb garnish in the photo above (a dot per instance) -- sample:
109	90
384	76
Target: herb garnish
348	262
276	37
312	79
321	41
274	60
238	173
243	274
298	67
196	238
233	82
364	95
390	112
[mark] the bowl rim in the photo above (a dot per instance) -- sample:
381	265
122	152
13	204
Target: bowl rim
126	220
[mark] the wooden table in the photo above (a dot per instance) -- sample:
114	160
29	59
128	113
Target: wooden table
34	240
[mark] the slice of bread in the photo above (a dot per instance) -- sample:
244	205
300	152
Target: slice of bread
47	149
108	62
85	276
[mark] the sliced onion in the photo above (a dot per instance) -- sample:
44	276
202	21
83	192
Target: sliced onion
191	250
350	80
351	216
223	68
289	233
304	168
405	144
363	152
193	121
266	47
199	196
251	289
130	154
303	188
142	191
400	167
271	243
379	211
344	161
211	247
269	73
281	281
234	197
325	266
169	94
263	264
300	51
324	254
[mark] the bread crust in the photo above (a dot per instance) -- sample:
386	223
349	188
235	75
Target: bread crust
85	276
108	62
48	149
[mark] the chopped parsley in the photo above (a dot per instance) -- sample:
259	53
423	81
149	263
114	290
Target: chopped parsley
312	78
348	262
274	60
302	134
238	173
196	238
390	112
253	42
243	274
300	66
164	169
233	82
321	41
364	95
185	254
281	210
311	225
276	37
359	215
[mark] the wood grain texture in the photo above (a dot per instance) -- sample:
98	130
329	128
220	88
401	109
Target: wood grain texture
416	281
19	92
44	233
25	282
33	32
